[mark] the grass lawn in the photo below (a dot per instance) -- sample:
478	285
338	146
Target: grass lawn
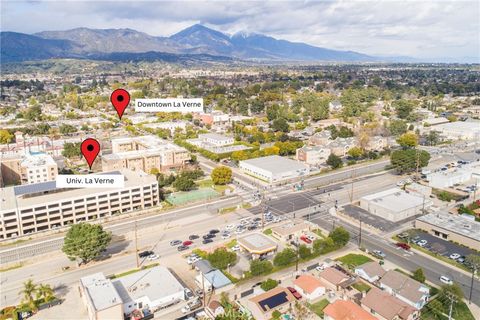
362	287
353	260
267	231
318	307
208	183
12	267
201	253
318	232
232	243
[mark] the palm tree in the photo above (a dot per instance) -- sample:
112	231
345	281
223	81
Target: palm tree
46	292
28	292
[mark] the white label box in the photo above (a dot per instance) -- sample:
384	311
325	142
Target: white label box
90	181
169	105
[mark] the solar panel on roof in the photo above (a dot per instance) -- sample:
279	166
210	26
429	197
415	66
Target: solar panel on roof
274	301
34	188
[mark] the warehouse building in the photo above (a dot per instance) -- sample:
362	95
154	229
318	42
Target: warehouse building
457	228
274	168
42	206
395	204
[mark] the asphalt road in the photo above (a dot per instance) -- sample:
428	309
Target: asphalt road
36	248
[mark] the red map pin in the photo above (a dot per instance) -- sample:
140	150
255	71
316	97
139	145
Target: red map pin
120	99
90	149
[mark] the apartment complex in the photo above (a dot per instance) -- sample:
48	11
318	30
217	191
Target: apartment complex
26	169
144	153
313	155
216	143
41	206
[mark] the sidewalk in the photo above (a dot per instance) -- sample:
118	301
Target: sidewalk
474	309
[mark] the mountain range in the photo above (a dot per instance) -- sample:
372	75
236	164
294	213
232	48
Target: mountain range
193	42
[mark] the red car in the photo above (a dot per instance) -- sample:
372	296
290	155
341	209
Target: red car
187	243
295	293
403	245
305	239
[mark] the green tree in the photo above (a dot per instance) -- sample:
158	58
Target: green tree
66	129
71	150
259	267
221	258
397	127
276	315
403	108
450	290
33	113
321	246
85	241
334	161
408	140
280	124
285	257
45	293
432	138
355	152
419	275
340	236
269	284
183	183
5	136
221	175
405	161
304	252
28	294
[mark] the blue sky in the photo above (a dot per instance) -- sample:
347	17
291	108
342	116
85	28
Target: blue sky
416	28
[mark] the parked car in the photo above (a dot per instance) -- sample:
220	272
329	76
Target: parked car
214	231
175	242
404	246
230	227
236	248
188	294
461	259
187	243
311	237
193	237
252	227
208	236
192	260
145	254
422	243
305	239
295	293
182	248
207	241
226	236
446	280
454	256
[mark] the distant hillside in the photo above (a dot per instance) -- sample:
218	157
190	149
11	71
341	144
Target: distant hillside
197	39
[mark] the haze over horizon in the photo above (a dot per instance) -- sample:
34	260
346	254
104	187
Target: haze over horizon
427	29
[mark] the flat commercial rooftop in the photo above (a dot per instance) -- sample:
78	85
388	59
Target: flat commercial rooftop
276	164
455	223
257	243
396	200
154	283
101	291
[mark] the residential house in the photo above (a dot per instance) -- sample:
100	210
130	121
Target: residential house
370	271
386	307
346	310
333	278
405	288
263	305
215	309
309	287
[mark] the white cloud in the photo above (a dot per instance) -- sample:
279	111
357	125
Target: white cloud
415	28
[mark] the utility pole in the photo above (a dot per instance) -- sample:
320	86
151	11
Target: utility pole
474	270
296	260
452	301
351	186
360	235
136	245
